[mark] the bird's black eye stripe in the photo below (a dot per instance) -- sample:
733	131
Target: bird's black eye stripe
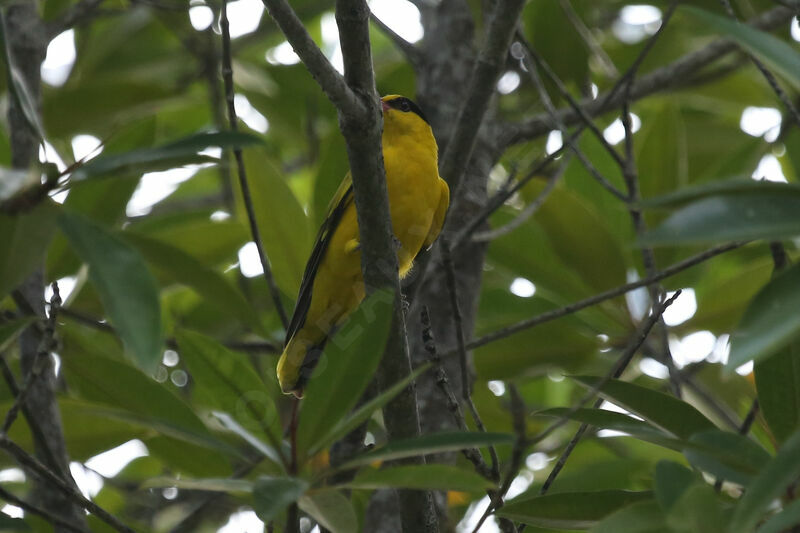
406	105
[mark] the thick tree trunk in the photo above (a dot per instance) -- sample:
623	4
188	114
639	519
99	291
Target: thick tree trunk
26	37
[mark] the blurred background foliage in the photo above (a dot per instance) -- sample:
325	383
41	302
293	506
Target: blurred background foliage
143	74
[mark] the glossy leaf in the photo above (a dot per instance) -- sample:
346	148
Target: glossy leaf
728	211
10	330
784	520
432	476
182	268
642	517
331	509
671	481
770	483
431	443
232	425
726	455
125	286
769	324
363	412
662	410
698	509
778	384
25	239
271	495
171	155
211	484
779	55
350	360
569	510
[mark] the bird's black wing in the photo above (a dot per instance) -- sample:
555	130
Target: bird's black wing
324	236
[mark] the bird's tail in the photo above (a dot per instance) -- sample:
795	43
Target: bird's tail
297	362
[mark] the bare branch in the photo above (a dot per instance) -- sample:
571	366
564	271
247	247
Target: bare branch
485	74
34	465
607	295
227	75
38	511
406	48
331	82
675	74
73	16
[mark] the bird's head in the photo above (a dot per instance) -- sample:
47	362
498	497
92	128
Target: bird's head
401	116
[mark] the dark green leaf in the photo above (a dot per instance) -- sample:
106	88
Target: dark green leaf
663	410
433	477
770	483
569	510
784	520
432	443
698	509
19	89
778	55
8	523
770	322
362	413
211	484
25	238
180	152
182	268
351	358
9	331
642	517
671	481
125	286
232	425
778	384
729	211
271	495
331	509
726	455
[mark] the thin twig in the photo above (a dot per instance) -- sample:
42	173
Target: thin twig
227	76
472	454
406	48
46	345
676	73
466	381
616	371
607	295
610	70
768	75
38	511
34	465
744	429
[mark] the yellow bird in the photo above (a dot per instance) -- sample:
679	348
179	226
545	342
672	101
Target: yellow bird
332	285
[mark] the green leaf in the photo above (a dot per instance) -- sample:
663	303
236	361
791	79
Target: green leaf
433	477
729	211
726	455
19	89
362	413
125	286
8	523
227	485
351	358
132	396
663	410
569	510
283	224
25	239
331	509
182	268
770	483
431	443
698	509
603	418
230	424
778	385
271	495
779	55
174	154
784	520
642	517
671	481
770	322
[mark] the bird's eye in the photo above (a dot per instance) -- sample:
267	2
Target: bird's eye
404	106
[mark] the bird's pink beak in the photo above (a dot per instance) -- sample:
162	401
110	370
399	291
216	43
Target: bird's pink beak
384	106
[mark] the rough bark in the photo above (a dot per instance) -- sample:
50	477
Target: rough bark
27	39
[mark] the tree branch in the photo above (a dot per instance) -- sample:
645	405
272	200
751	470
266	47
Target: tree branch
331	82
675	74
73	16
227	76
38	511
486	72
